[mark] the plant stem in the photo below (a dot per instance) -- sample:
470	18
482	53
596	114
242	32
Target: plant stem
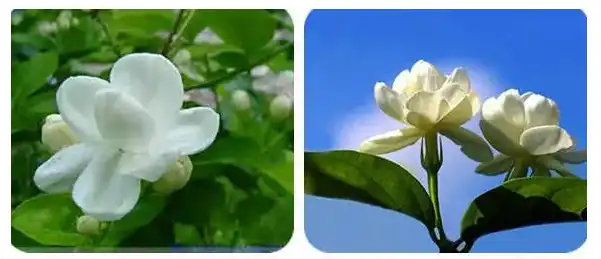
180	31
171	37
432	161
520	169
106	31
228	76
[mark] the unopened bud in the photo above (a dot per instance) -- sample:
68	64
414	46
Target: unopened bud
241	100
176	176
90	226
56	134
280	107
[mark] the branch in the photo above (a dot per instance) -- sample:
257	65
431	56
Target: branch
107	33
212	83
170	38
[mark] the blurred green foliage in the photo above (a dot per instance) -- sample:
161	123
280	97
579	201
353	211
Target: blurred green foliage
240	193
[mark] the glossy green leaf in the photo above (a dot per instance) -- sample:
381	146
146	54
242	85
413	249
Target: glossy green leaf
82	37
245	152
247	29
146	210
367	179
525	202
140	22
29	76
186	234
49	219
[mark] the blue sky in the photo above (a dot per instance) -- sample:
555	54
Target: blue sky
346	52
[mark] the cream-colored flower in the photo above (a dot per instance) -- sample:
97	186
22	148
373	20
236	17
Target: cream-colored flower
526	127
428	101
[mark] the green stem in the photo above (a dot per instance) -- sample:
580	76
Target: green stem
179	33
432	161
520	169
106	31
228	76
176	24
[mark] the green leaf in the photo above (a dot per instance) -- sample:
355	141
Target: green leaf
277	165
367	179
195	26
186	234
38	41
231	59
247	29
146	210
29	76
82	37
525	202
140	23
266	221
49	219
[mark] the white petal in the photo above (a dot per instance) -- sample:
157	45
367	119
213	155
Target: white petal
475	101
154	81
103	193
389	101
472	145
452	93
572	157
149	167
195	129
391	141
75	100
540	111
423	109
458	115
121	121
58	174
544	140
404	85
500	141
459	77
513	108
498	165
426	76
494	114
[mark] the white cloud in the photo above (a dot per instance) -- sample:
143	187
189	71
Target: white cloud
458	182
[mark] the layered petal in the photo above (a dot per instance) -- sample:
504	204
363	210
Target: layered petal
459	77
544	140
75	100
540	111
58	174
472	145
391	141
195	129
103	193
146	166
513	108
458	115
122	121
493	112
389	101
498	165
500	141
426	76
404	84
423	109
475	101
572	156
154	82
